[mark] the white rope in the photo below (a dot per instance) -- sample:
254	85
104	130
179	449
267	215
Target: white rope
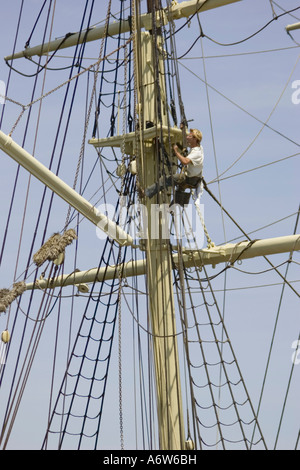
196	194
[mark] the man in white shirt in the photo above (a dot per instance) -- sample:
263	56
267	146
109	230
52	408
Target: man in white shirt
193	166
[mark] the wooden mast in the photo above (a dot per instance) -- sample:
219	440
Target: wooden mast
158	257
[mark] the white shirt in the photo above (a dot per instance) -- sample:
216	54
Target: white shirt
195	167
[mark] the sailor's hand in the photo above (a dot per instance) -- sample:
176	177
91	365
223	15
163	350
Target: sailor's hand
175	148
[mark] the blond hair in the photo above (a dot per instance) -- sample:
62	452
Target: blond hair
197	134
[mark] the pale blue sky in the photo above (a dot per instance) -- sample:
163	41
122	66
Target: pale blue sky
247	83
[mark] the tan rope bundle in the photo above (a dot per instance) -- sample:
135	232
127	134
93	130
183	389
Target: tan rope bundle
7	296
54	246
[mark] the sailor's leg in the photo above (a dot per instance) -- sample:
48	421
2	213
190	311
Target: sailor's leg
163	183
179	178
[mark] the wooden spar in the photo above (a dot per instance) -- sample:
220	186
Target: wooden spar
67	193
292	27
176	11
213	256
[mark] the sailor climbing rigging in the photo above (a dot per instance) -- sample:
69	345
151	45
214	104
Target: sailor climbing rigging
191	173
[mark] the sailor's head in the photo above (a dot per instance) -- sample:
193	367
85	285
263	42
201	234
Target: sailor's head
194	137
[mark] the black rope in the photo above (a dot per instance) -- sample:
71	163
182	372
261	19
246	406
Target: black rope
93	321
35	24
247	236
202	34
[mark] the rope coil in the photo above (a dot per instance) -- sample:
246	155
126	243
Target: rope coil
7	296
54	246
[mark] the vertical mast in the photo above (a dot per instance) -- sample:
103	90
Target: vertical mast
159	266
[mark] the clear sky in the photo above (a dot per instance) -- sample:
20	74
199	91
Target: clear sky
240	85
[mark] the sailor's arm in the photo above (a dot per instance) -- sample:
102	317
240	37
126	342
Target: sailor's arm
184	160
